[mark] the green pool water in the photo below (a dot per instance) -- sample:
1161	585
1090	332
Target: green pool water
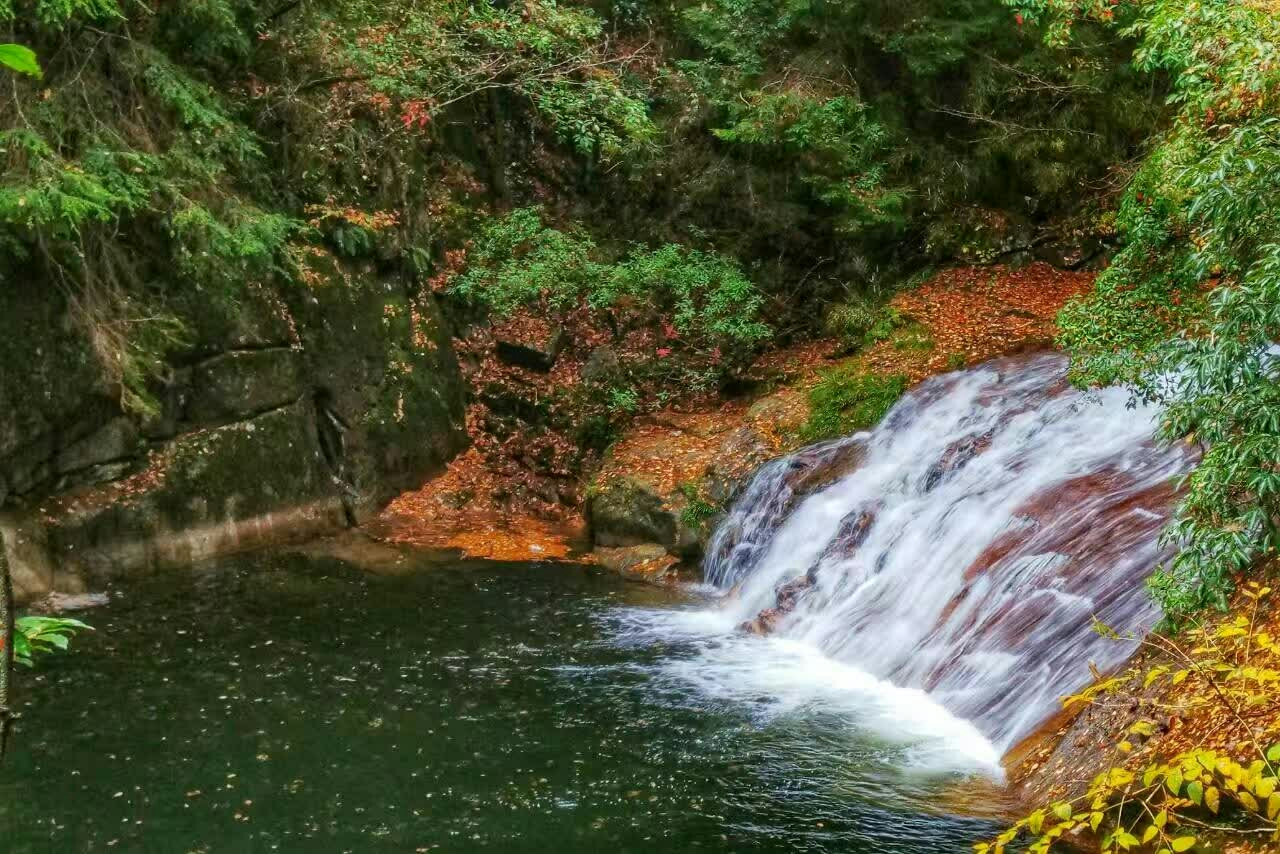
292	702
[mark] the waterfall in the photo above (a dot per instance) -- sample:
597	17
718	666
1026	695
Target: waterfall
961	550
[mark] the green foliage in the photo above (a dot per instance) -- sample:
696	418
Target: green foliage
421	59
710	302
42	635
834	144
1189	310
518	261
120	181
697	510
845	401
623	399
20	59
860	322
52	14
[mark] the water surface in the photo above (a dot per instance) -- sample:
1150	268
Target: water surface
284	702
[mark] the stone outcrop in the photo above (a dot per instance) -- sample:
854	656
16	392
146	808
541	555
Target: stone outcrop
293	411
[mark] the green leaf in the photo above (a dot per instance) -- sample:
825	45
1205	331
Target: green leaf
1195	792
1183	843
20	59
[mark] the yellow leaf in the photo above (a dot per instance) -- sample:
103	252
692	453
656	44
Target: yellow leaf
1211	799
1062	811
1173	780
1265	786
1149	834
1248	800
1183	843
1144	728
1273	806
1095	819
1125	746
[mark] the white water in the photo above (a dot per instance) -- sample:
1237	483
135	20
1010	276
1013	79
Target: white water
993	514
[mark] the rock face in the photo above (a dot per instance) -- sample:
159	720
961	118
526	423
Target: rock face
294	410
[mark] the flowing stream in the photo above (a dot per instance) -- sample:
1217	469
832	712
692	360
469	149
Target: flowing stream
883	616
943	571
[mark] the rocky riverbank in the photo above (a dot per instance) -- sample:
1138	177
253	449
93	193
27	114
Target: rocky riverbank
290	412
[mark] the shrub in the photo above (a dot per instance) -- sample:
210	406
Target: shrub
1145	802
517	260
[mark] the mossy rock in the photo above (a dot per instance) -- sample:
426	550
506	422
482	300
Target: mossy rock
238	385
381	366
53	391
203	484
627	511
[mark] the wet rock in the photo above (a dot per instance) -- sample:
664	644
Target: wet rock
955	457
851	534
649	562
807	479
197	498
61	603
741	452
788	597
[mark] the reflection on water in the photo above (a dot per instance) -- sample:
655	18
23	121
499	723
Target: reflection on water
282	702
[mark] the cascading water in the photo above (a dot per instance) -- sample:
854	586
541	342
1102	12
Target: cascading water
939	575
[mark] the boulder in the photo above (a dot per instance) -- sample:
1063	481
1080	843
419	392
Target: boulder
627	512
206	493
384	381
601	365
240	384
651	563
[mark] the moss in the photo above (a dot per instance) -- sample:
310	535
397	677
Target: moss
845	401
